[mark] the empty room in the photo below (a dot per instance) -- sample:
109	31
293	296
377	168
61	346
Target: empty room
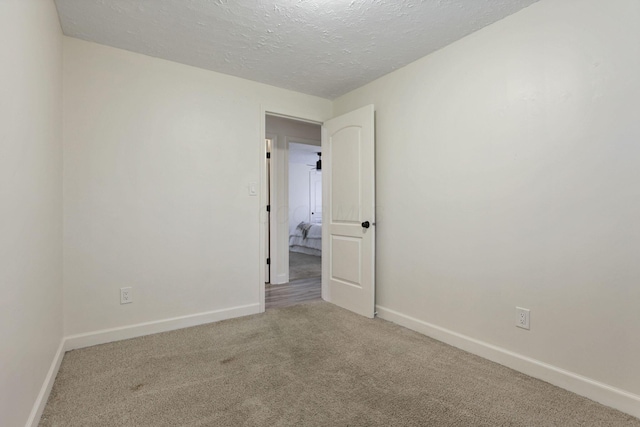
319	212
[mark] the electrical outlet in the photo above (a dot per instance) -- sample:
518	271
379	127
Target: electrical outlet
126	295
522	318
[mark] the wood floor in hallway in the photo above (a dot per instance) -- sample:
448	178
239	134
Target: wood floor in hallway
291	293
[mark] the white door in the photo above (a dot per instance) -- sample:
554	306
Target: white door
315	197
348	239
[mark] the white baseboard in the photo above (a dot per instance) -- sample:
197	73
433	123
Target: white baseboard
104	336
45	390
607	395
281	279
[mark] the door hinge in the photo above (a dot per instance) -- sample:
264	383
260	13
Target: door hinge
268	155
268	208
268	261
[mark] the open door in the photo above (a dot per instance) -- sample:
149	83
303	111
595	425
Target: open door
348	248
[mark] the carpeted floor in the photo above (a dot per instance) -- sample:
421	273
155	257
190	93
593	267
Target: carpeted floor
312	364
303	266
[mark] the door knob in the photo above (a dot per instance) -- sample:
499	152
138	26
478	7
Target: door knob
366	224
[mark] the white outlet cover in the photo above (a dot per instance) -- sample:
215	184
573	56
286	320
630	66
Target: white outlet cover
522	318
126	295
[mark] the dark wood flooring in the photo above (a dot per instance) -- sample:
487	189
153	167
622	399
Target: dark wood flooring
291	293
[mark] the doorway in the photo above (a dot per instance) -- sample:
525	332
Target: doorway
305	211
294	168
348	223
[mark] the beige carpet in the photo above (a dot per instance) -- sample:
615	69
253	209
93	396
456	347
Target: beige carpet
303	266
308	365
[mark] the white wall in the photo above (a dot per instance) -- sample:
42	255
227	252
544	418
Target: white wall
30	202
283	131
294	129
507	174
302	161
158	157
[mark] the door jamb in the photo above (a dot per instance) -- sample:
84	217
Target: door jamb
268	196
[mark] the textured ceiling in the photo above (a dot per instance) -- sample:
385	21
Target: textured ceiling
320	47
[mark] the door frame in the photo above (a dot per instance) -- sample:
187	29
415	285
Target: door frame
269	197
295	114
279	244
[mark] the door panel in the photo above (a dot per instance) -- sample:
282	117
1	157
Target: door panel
347	267
346	175
349	179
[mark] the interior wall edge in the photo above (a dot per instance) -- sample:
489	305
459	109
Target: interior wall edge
605	394
47	385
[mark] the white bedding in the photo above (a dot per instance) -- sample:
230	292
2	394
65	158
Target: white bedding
306	239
